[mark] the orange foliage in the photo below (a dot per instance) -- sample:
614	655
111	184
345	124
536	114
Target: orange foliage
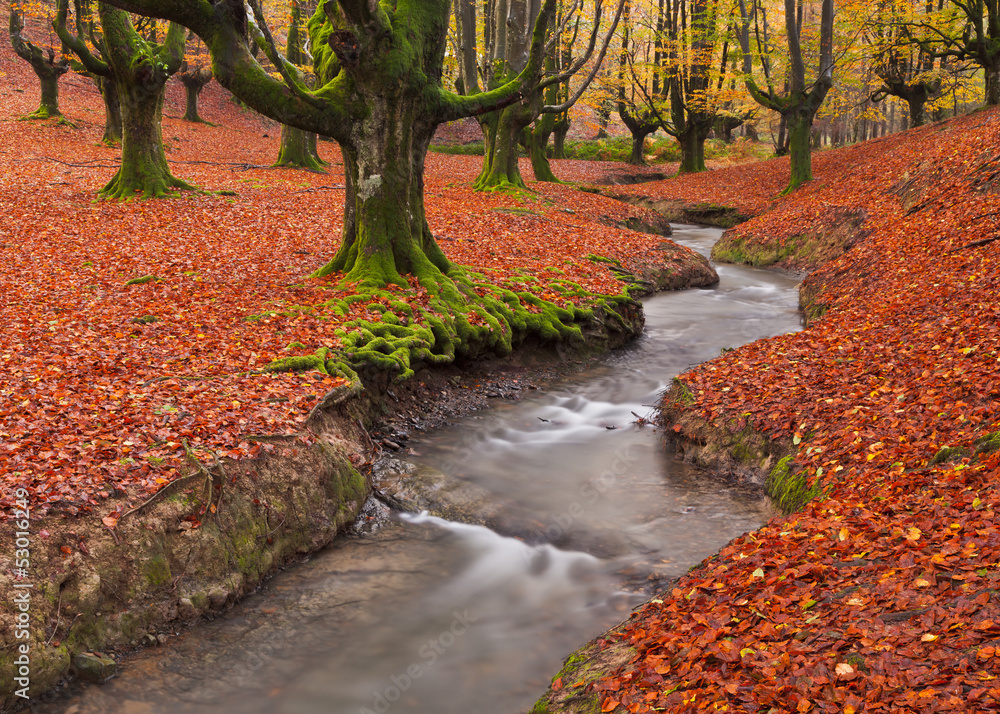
881	595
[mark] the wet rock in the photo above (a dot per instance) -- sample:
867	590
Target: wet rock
407	487
186	608
94	667
217	596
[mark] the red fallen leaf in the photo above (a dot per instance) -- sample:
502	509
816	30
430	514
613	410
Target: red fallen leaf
609	705
43	534
67	550
109	521
557	684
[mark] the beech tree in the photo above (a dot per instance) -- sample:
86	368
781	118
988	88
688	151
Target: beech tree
694	38
799	104
645	83
905	69
139	68
47	63
195	74
968	30
77	45
298	147
381	100
505	55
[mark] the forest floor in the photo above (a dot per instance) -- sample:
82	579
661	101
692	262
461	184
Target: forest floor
134	337
883	592
101	381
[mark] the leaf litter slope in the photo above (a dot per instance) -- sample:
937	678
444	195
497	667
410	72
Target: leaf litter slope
102	381
882	595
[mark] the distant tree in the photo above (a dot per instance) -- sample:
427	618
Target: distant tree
195	74
691	66
298	147
45	59
635	66
139	68
904	68
505	56
800	102
86	34
964	31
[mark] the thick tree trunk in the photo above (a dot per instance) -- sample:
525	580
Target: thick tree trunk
501	131
144	172
385	230
538	141
112	110
298	149
992	82
636	156
559	136
49	104
916	103
538	137
194	82
140	72
692	142
800	148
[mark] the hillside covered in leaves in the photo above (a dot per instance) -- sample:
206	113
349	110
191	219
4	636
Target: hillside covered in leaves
880	594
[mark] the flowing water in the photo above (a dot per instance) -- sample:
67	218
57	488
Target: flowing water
429	616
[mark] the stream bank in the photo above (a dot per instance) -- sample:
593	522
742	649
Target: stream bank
882	594
593	518
214	535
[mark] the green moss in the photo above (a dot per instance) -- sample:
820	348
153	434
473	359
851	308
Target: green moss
988	444
947	454
145	319
200	601
142	281
681	394
156	570
742	251
789	488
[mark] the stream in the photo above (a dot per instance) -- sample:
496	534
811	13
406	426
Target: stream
429	616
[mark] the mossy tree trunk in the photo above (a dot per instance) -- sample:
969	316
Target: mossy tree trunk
800	147
639	128
45	63
140	70
298	149
991	70
539	133
112	110
502	133
194	81
559	133
798	108
385	230
692	142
